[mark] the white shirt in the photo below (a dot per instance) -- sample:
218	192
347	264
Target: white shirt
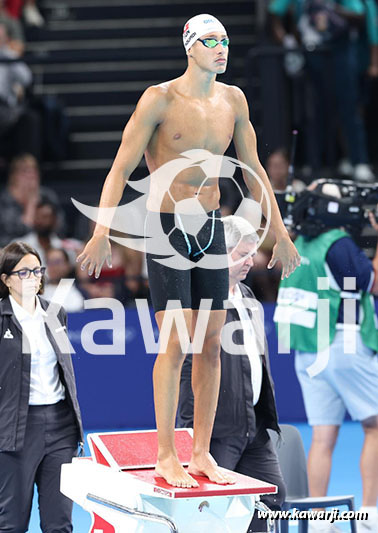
45	385
250	344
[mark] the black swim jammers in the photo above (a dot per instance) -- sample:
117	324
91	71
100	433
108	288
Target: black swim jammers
189	285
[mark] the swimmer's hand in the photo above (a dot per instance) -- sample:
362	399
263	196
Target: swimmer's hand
94	255
285	252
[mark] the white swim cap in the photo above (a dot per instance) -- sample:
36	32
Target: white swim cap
198	26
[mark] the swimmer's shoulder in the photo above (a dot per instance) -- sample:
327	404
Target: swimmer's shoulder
234	96
159	96
155	101
155	96
232	92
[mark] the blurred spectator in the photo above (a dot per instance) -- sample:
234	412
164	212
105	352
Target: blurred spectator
277	167
15	32
44	235
334	72
264	282
20	126
19	201
59	267
29	10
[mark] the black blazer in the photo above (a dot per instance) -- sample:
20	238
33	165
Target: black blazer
236	416
15	376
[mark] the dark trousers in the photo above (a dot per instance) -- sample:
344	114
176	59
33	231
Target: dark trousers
335	78
255	458
50	440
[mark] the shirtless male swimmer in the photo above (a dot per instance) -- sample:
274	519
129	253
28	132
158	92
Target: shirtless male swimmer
193	111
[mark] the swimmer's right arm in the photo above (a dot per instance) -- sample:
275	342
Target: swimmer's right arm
135	138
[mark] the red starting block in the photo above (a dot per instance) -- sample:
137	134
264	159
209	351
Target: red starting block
119	487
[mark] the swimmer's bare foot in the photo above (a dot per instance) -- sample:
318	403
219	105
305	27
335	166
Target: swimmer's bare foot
174	473
203	464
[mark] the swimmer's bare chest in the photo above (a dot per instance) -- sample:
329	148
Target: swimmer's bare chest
192	124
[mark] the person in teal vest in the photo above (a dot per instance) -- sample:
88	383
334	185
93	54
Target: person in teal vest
327	302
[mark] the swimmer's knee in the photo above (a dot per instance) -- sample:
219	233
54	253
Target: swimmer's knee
212	346
175	349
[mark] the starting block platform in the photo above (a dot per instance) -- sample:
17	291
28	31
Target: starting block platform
119	487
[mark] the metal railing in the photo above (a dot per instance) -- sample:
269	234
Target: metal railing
160	519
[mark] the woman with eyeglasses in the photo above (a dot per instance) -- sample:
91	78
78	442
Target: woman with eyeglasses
40	422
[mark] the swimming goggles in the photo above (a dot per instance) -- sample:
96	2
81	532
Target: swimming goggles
212	43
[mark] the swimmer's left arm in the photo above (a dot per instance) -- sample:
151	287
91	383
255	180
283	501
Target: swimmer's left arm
246	148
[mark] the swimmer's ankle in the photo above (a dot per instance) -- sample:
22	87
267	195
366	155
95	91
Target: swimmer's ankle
167	455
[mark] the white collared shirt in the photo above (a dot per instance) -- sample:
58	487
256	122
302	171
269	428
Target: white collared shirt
45	385
250	344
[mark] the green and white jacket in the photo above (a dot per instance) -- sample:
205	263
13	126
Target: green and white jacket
310	292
